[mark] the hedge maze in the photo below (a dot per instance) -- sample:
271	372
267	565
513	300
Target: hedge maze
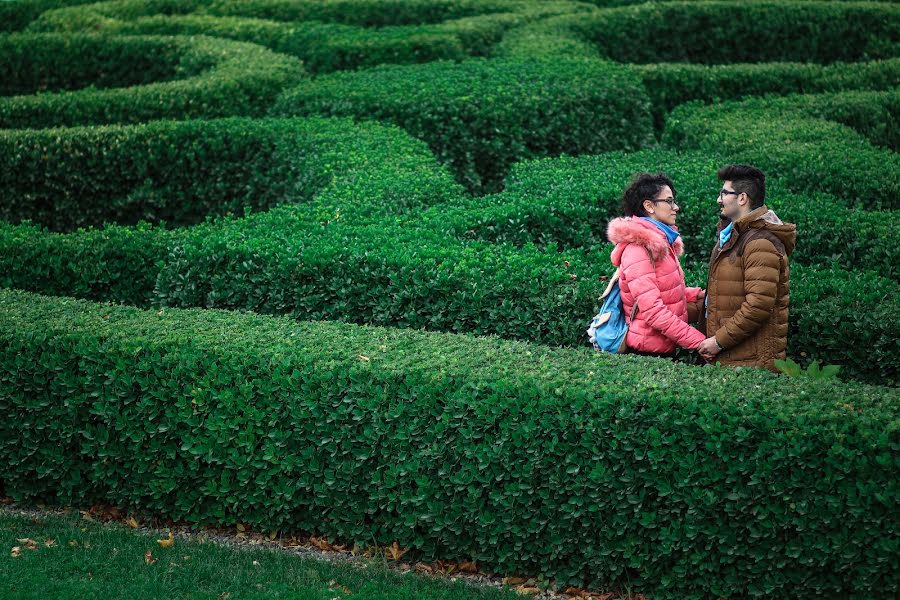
327	265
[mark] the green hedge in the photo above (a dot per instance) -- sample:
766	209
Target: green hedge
787	139
363	13
214	78
569	201
59	64
722	32
282	262
675	481
323	47
671	84
15	15
181	172
482	116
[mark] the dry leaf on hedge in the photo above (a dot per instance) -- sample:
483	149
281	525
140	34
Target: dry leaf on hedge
148	558
49	543
168	542
514	580
16	552
132	522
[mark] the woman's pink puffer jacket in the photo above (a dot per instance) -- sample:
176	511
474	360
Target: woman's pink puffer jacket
658	287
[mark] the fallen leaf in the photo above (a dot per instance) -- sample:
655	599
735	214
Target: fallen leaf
148	558
16	552
424	568
514	580
29	543
395	551
168	542
527	590
468	567
241	527
73	543
132	522
49	543
337	587
86	516
273	535
364	358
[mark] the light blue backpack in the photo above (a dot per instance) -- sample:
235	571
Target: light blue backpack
608	327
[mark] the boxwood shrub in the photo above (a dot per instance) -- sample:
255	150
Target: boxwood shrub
677	481
182	172
672	84
570	200
212	78
481	116
705	32
799	139
322	46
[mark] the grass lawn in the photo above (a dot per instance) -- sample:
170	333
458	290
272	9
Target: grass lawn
75	558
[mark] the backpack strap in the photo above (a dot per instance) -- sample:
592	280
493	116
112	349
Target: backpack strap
634	309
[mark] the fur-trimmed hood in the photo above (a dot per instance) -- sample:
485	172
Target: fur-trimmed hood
634	230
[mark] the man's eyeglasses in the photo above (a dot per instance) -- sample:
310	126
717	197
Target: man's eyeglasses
669	201
723	192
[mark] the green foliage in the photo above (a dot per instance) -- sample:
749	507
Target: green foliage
585	468
182	172
795	138
482	116
212	78
706	32
671	84
792	369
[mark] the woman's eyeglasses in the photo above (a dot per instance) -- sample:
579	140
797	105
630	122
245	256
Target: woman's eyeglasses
670	201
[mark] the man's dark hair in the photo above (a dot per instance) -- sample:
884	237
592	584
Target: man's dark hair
644	186
747	179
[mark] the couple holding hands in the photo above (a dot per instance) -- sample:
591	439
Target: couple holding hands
742	316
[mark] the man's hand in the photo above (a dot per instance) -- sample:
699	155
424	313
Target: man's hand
709	349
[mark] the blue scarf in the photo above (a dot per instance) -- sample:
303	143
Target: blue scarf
725	234
671	234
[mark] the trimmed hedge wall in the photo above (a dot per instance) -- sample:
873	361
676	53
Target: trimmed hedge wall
183	172
323	47
722	32
672	84
215	78
591	470
569	201
29	68
785	138
482	116
281	262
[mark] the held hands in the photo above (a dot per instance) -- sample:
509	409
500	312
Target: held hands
709	349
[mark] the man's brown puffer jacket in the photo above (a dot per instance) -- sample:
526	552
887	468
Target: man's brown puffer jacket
748	290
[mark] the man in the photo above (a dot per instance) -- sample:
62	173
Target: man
747	292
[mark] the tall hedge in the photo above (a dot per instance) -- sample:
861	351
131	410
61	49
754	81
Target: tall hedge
676	481
482	116
749	32
182	172
800	140
212	78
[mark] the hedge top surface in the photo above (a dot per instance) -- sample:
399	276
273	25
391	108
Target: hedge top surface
562	374
704	32
213	77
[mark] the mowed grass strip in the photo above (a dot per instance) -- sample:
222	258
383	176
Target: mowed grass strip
73	558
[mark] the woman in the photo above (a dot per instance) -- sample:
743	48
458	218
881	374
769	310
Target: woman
647	249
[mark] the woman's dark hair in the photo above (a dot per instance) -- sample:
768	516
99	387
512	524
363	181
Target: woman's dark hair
644	186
